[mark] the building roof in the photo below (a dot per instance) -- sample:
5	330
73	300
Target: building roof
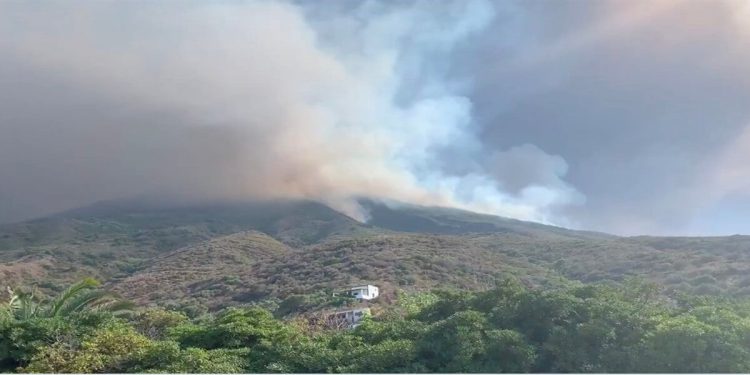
362	286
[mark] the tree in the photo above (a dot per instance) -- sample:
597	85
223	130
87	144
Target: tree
106	350
454	344
156	323
233	328
685	344
506	351
79	297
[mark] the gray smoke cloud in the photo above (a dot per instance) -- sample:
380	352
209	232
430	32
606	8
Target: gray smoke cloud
629	117
647	101
206	100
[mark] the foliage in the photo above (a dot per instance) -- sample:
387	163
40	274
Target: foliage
155	323
204	258
79	297
517	304
510	328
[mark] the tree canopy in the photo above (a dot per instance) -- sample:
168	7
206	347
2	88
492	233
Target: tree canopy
511	328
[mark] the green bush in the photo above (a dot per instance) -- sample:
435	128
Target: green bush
630	327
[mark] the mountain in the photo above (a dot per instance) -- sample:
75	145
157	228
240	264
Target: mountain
440	220
213	255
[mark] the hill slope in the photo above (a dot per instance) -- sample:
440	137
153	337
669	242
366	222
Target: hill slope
213	272
221	254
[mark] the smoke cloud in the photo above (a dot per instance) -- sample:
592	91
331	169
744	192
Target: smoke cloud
629	117
647	101
207	100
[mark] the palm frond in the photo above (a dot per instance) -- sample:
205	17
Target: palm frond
79	302
23	305
117	307
12	299
79	297
75	289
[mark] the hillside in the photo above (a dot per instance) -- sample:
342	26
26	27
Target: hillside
225	254
213	272
115	239
247	267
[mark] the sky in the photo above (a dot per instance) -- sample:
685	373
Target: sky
624	116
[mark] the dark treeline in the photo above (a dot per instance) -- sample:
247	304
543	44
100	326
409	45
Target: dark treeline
584	328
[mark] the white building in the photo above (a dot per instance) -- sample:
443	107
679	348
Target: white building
346	318
364	292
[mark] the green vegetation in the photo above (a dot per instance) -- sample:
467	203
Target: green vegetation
235	288
509	328
212	257
79	297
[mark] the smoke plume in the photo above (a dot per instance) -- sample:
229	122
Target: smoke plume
207	100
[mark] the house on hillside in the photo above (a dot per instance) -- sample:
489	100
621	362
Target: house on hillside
346	319
365	292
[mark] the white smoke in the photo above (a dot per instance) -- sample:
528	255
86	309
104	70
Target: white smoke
267	100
